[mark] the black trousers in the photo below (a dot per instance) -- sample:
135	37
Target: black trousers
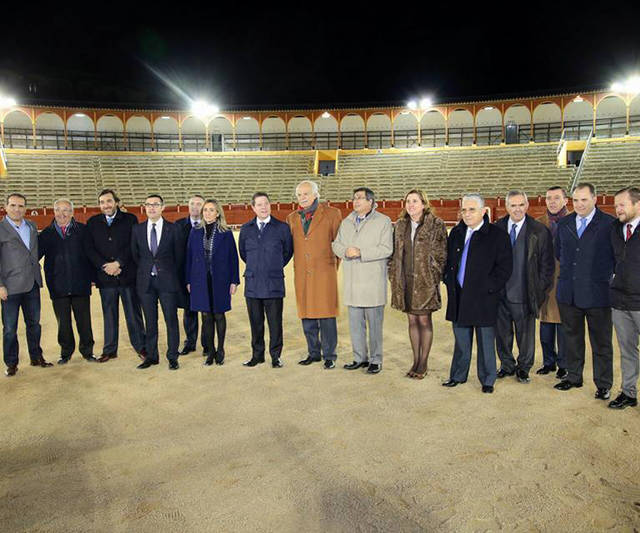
168	302
81	308
515	316
600	333
212	324
257	309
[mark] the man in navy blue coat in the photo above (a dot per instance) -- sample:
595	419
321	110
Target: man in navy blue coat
266	246
583	247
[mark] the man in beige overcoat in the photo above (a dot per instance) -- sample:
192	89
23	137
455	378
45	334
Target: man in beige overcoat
550	323
364	243
314	227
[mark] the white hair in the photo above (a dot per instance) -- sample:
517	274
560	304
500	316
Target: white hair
314	187
63	201
475	197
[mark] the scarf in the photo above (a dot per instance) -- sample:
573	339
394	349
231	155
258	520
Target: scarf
306	215
208	237
553	220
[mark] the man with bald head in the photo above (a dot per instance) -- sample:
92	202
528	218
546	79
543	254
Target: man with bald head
68	274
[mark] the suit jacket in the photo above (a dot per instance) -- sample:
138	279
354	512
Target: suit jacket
625	286
184	224
315	266
540	260
265	255
168	259
104	244
488	268
586	264
19	266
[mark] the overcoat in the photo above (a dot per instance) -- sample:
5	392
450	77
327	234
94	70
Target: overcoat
315	266
625	285
549	311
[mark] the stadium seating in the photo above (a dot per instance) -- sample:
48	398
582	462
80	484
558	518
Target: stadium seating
612	165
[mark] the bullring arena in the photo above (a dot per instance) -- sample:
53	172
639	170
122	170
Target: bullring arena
228	448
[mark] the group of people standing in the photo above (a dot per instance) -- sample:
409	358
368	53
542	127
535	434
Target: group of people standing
563	268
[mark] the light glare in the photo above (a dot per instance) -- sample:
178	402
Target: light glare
6	101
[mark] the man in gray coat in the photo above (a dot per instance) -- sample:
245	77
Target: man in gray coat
365	243
20	282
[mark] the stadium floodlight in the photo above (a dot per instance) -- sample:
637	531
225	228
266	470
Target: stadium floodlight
425	103
6	101
165	117
326	114
79	115
489	108
246	118
630	86
203	109
412	105
578	99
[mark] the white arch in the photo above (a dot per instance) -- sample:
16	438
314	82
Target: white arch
460	118
273	125
109	123
489	117
379	122
168	125
79	122
193	126
547	112
326	125
299	125
17	119
352	123
405	121
221	125
634	109
578	111
611	106
138	125
49	121
432	120
247	125
519	114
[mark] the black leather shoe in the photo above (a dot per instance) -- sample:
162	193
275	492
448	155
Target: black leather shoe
504	373
488	389
106	356
523	377
562	373
277	363
374	368
602	394
209	360
566	385
308	361
63	360
173	364
355	365
41	362
145	364
253	362
90	359
11	371
329	364
187	350
452	383
220	357
623	401
545	370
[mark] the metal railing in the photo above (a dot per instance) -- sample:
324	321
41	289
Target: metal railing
578	173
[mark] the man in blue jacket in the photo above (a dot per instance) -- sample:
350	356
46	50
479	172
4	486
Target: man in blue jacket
583	247
266	246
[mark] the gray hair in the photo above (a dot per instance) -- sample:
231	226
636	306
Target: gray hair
475	197
63	201
515	192
314	187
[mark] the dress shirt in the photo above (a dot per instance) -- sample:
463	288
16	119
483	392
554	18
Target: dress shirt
110	218
158	231
589	218
194	222
23	230
471	230
518	226
265	221
634	225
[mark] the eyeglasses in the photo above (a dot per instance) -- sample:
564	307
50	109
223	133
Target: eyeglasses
155	204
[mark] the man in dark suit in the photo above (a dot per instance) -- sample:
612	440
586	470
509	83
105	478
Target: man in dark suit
526	289
20	282
189	318
479	263
158	250
68	274
266	246
583	247
108	247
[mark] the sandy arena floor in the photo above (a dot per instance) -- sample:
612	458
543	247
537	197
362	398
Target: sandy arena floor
106	447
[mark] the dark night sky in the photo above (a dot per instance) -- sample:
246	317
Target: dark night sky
242	58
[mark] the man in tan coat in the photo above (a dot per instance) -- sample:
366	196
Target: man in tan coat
365	243
550	323
314	227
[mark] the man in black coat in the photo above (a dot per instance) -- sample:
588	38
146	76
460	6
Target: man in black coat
479	263
266	246
68	274
625	292
189	318
158	250
526	289
108	247
583	247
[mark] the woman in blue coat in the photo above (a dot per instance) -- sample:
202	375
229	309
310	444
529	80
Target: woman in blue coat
212	276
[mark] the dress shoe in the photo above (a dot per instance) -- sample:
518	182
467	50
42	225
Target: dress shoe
253	362
562	373
504	373
186	350
106	356
355	365
11	371
452	383
566	385
602	394
276	363
40	362
90	359
146	364
623	401
374	368
173	364
329	364
63	360
546	369
209	360
220	357
308	361
522	376
488	389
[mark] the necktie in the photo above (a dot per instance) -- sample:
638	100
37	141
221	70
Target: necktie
629	226
513	235
109	221
64	231
583	225
463	261
260	226
154	247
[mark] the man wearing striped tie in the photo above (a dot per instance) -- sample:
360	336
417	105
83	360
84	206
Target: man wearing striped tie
583	247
